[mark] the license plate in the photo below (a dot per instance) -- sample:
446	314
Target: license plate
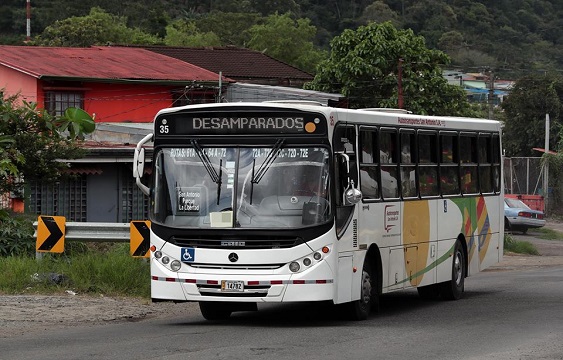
235	286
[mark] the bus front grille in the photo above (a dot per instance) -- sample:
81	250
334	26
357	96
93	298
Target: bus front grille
237	243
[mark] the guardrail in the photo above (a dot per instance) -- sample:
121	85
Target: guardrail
95	232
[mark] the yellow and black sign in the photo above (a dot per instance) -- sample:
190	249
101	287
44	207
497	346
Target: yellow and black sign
50	234
140	240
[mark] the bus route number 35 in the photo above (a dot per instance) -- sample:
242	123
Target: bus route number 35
164	129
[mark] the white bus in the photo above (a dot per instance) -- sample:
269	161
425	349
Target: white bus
283	202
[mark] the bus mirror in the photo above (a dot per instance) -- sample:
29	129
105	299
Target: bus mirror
138	163
346	159
353	196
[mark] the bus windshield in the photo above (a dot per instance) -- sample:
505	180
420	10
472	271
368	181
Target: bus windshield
241	187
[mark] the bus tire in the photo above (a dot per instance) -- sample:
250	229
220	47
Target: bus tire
360	309
215	310
453	289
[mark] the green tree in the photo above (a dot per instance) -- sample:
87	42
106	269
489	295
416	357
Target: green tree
97	28
364	66
32	142
234	26
185	33
525	109
287	40
380	12
32	145
267	7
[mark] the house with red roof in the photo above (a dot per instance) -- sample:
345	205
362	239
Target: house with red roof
116	85
242	65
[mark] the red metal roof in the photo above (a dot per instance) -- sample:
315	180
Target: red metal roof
235	63
100	63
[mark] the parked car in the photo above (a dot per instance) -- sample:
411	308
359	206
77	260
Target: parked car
519	217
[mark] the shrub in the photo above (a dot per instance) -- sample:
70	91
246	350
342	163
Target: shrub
16	234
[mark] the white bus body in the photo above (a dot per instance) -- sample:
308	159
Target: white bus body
402	201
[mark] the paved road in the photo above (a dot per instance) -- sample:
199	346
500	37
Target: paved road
506	314
511	311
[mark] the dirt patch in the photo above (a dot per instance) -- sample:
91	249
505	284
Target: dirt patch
21	314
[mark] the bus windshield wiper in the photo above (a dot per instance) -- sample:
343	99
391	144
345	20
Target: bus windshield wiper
216	178
272	155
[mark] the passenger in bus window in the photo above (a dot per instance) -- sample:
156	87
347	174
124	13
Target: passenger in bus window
408	186
384	157
389	186
428	181
307	185
449	181
469	180
367	156
406	154
369	186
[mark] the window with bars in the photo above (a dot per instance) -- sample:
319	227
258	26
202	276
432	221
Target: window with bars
56	102
134	204
66	198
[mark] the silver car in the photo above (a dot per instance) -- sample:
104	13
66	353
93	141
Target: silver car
519	217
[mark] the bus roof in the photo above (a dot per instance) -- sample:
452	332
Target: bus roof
372	116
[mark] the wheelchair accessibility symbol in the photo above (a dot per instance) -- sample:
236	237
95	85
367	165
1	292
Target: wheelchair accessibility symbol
188	254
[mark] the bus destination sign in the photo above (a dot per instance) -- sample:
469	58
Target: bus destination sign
240	123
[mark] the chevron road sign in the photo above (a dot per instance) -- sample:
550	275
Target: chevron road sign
140	238
50	234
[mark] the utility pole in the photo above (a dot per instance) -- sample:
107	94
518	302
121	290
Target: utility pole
491	97
28	21
546	167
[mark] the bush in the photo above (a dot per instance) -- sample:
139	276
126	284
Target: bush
16	234
519	247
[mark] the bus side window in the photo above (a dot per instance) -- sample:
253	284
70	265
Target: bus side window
468	156
389	158
408	168
427	163
485	163
449	163
496	159
369	167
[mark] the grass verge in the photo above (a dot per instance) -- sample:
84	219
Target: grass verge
550	234
113	272
519	247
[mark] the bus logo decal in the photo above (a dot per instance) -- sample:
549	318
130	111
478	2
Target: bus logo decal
233	243
390	217
233	257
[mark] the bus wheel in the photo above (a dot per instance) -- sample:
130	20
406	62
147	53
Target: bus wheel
453	289
360	309
215	310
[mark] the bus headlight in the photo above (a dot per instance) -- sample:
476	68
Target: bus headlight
309	260
165	260
294	266
175	265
